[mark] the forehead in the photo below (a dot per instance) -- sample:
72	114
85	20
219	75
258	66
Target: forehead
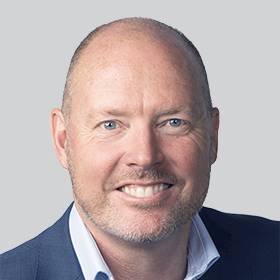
141	47
115	65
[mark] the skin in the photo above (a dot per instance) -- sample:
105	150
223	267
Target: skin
139	87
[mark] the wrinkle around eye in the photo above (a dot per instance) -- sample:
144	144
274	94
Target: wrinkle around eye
183	128
100	130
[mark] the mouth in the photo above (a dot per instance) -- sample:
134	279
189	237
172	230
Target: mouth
141	191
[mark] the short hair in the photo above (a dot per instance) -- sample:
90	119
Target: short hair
151	26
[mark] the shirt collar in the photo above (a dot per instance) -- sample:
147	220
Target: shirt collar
91	261
202	252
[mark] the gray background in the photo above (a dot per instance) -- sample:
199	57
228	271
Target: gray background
239	43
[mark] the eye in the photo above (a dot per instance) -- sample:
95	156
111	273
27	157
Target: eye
175	122
175	127
110	125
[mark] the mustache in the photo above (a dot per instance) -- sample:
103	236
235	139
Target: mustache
148	174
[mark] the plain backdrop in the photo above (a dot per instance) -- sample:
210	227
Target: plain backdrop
239	43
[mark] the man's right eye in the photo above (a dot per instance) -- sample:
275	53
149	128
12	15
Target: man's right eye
175	122
109	125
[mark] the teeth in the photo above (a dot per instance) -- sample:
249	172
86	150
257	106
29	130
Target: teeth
133	192
156	189
145	192
140	192
149	191
126	190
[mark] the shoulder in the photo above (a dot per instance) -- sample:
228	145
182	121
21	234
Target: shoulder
245	239
22	261
240	225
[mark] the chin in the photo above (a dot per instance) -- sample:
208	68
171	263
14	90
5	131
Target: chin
147	227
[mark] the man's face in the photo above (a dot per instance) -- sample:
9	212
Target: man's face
138	141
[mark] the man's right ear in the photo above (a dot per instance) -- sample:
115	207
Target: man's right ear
58	131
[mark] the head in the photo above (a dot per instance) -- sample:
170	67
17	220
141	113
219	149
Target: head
158	31
137	130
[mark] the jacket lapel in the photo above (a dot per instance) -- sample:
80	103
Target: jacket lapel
56	257
228	267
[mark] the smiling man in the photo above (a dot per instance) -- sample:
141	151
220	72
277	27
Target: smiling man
138	134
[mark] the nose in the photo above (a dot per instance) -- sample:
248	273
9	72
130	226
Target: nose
143	151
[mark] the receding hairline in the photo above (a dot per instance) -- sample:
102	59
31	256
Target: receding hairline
129	29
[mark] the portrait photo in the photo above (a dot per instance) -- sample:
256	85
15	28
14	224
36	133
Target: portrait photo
239	46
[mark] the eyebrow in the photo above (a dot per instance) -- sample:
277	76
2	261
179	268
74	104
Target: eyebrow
173	111
107	112
111	112
117	113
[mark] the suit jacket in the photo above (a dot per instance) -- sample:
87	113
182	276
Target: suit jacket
249	249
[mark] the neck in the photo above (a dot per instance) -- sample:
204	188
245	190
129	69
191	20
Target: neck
165	259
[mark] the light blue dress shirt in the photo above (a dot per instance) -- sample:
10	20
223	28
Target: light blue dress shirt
202	252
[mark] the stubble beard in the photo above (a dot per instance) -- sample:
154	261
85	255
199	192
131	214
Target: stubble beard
106	217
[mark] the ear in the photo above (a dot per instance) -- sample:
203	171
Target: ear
215	128
58	131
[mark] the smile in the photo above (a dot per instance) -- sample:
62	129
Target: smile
144	191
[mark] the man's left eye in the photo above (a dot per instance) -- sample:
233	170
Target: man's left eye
110	125
175	122
175	127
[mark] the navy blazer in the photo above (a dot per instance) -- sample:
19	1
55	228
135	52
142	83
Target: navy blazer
249	249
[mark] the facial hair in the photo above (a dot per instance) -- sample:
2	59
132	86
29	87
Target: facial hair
101	212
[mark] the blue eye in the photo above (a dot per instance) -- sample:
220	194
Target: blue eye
110	125
175	122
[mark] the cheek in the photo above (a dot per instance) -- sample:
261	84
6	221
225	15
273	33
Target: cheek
189	158
191	163
93	163
194	169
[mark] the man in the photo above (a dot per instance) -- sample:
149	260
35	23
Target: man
138	134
